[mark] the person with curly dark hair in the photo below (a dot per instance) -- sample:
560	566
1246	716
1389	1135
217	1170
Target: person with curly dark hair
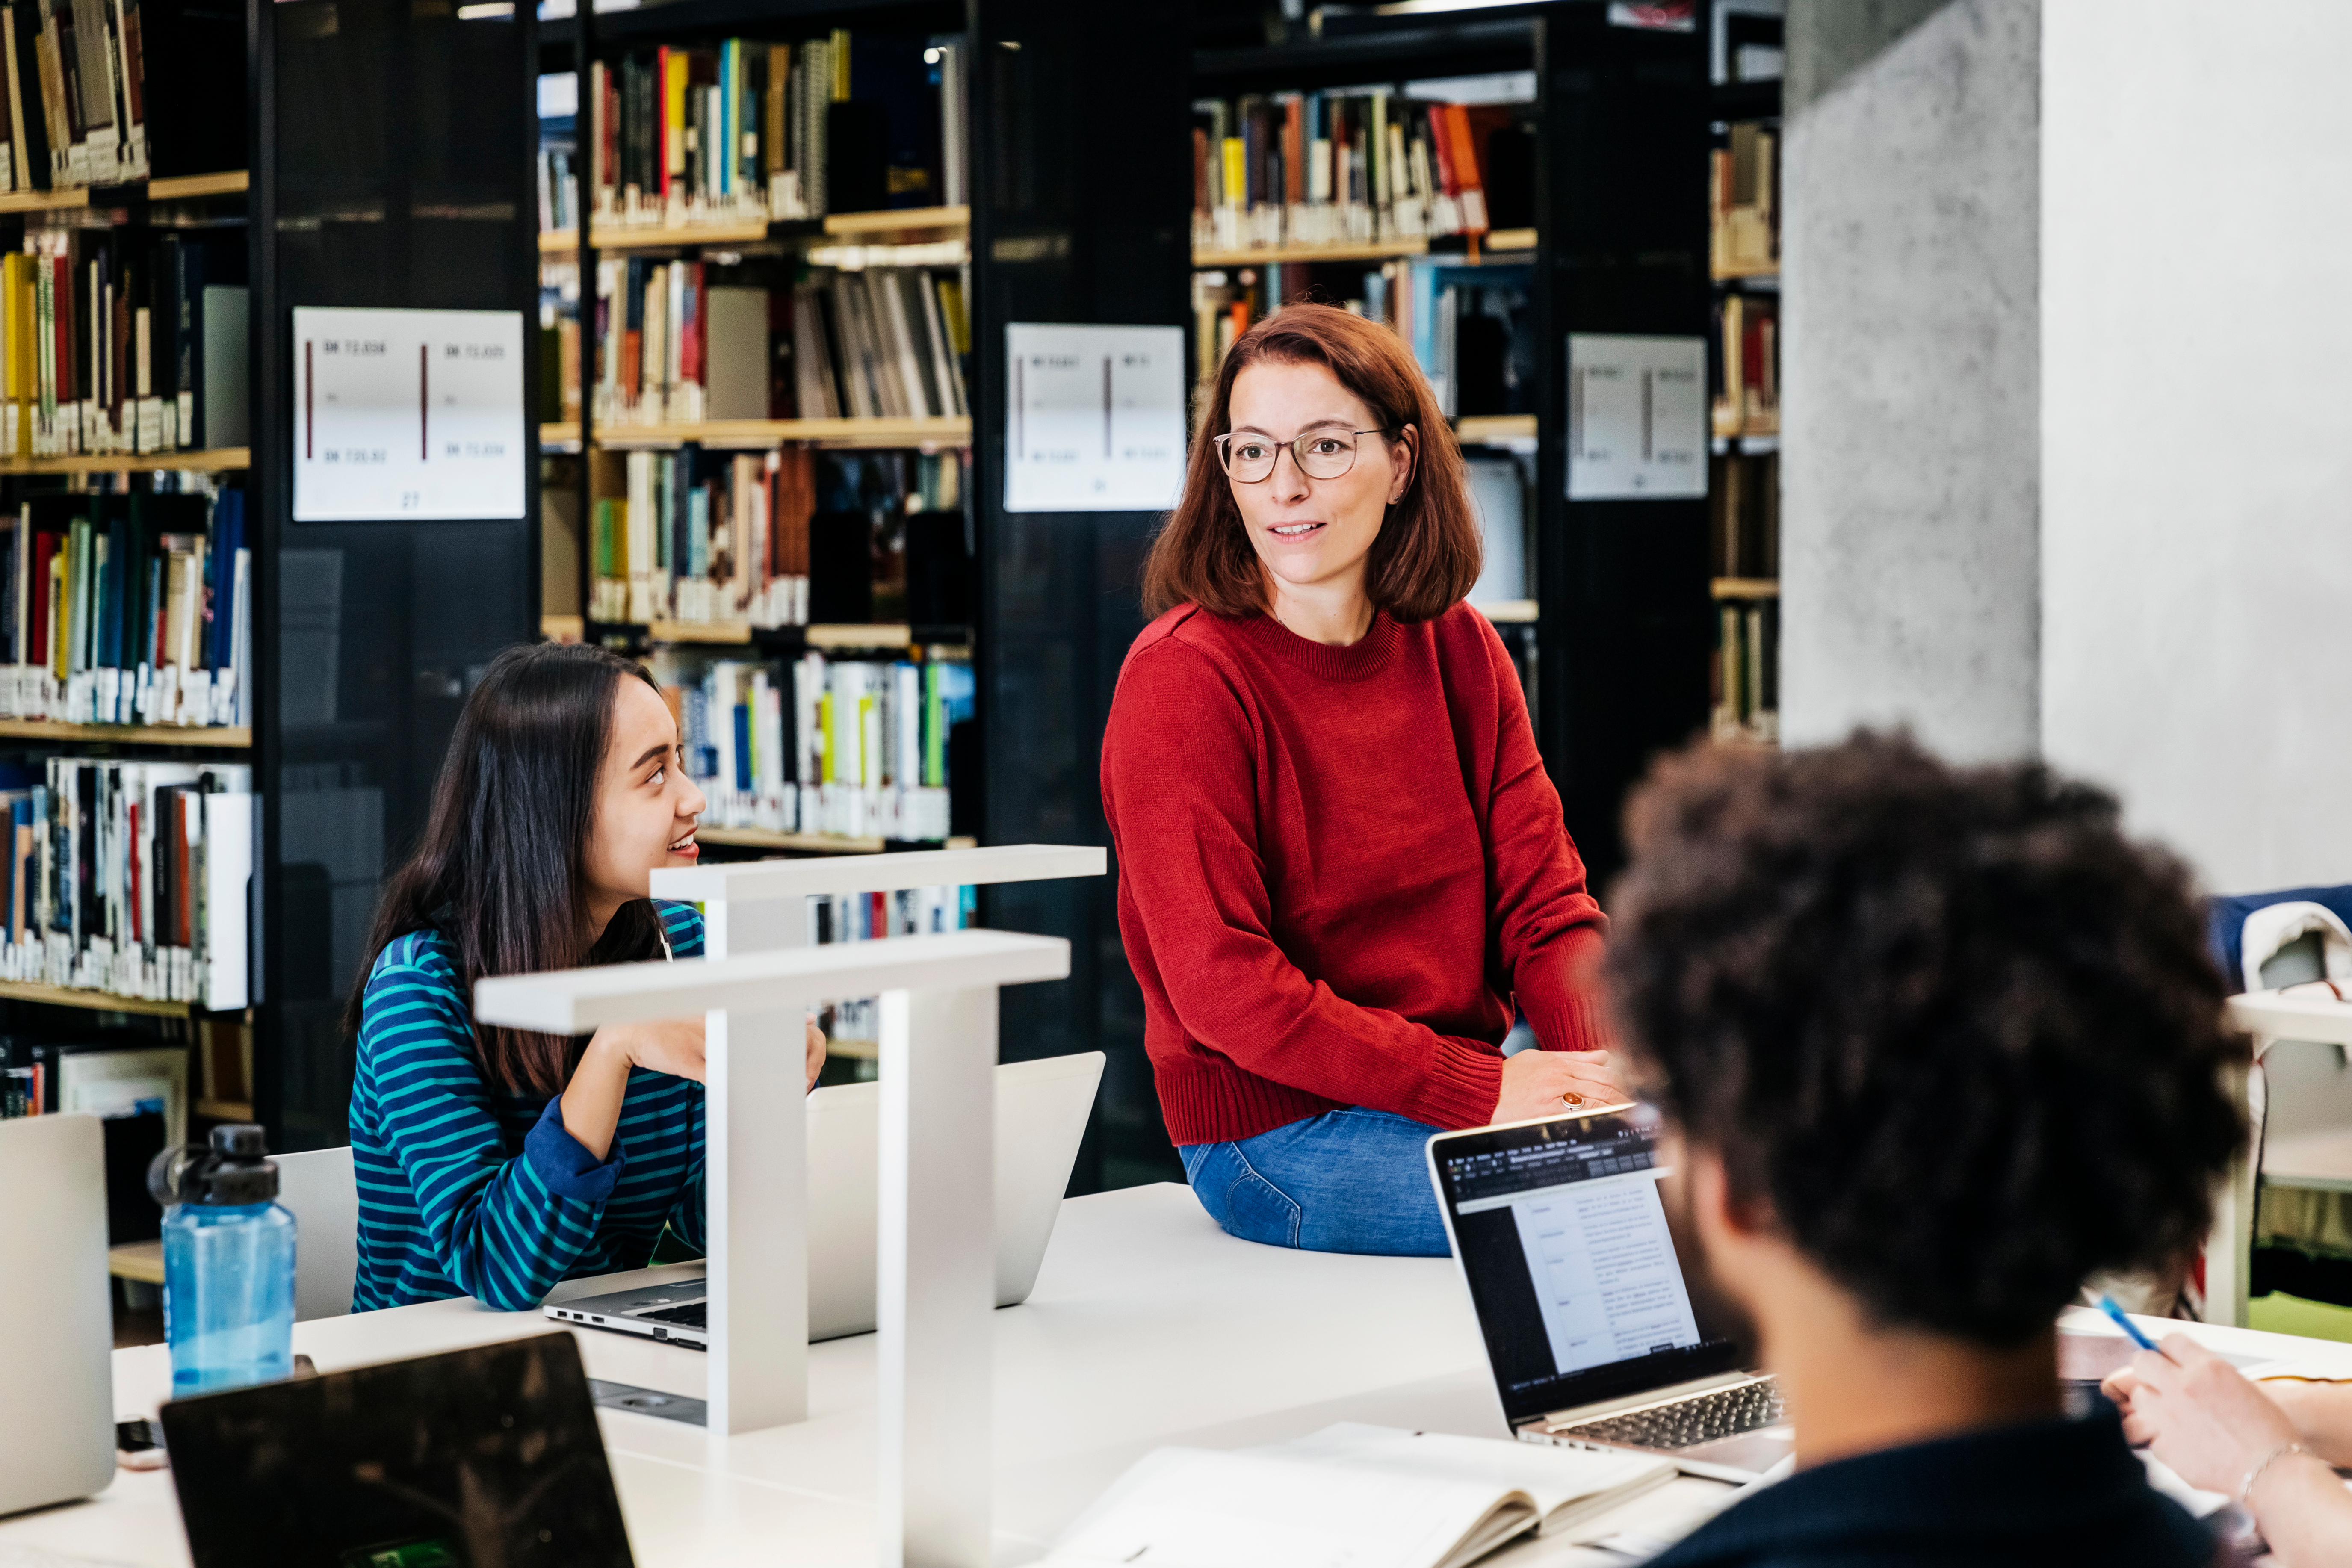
1932	1046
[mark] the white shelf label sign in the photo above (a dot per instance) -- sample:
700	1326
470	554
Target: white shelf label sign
1094	418
1636	417
407	414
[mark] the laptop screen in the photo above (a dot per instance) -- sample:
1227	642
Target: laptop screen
476	1456
1578	1280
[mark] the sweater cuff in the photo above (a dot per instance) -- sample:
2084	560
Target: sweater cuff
1571	1017
562	1163
1576	1022
1462	1087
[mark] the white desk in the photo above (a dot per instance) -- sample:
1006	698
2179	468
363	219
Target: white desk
1148	1326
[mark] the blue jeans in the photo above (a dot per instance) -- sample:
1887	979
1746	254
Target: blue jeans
1346	1180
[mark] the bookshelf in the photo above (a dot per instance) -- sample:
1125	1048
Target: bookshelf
1743	475
131	434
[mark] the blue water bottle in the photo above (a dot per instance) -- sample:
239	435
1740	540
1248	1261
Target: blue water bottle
228	1263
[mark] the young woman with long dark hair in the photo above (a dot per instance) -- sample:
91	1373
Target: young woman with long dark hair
1340	860
494	1163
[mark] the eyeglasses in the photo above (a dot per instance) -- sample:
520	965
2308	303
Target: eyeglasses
1320	454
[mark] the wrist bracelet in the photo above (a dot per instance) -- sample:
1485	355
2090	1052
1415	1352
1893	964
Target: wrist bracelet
2246	1487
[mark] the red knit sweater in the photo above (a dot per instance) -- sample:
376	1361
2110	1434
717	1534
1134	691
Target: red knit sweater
1328	889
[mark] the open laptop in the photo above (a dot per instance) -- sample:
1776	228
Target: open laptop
491	1455
1598	1332
54	1315
1041	1115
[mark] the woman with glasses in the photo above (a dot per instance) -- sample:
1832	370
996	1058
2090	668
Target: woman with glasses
1340	861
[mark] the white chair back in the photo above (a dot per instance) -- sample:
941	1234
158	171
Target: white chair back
320	1191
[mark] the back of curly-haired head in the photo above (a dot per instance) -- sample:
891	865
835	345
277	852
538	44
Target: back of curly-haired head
1957	1032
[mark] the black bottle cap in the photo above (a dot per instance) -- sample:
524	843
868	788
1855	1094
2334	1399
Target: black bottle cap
233	1170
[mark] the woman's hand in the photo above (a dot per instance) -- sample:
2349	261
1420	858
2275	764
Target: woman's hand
1537	1083
2199	1413
673	1046
815	1052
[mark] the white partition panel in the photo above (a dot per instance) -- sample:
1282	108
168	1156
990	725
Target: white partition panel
936	1256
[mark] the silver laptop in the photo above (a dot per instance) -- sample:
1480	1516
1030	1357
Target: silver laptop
54	1313
1041	1115
1595	1332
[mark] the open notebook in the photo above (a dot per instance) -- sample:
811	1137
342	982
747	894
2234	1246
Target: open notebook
1351	1495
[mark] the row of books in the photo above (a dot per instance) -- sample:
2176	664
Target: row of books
678	346
756	131
117	341
1748	383
127	608
1329	169
1743	501
1743	204
863	917
132	879
80	108
1747	671
704	538
855	747
709	538
1470	328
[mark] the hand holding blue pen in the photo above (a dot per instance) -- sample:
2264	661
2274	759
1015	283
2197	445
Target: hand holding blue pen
2123	1321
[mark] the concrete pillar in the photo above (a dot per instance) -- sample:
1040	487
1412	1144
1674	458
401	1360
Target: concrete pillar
2064	457
1910	452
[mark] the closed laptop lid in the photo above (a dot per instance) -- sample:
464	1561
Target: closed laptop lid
483	1456
58	1389
1581	1281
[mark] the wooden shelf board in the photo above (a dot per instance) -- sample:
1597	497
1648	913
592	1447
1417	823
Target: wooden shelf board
652	236
762	433
813	843
736	632
1511	612
1386	250
564	628
224	1110
672	236
562	437
1744	587
89	1001
178	188
1737	274
139	1261
855	1051
881	633
1477	428
1510	240
217	459
902	220
63	200
213	737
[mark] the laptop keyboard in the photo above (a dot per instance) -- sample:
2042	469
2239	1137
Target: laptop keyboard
693	1315
1701	1418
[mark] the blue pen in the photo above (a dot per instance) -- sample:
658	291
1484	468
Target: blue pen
2123	1322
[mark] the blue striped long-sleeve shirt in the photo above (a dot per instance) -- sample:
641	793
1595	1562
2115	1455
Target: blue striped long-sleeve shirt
465	1190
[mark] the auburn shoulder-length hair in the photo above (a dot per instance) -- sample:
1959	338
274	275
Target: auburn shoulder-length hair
1426	557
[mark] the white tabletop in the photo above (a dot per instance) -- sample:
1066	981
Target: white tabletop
1148	1326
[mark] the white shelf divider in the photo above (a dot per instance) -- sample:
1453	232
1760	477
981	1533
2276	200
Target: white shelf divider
755	906
936	1258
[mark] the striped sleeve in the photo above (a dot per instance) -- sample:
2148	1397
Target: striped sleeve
682	923
506	1230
